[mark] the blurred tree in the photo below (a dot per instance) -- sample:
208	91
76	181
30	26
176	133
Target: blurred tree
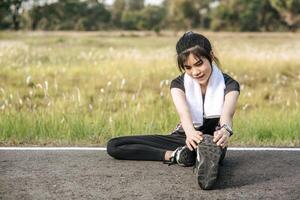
205	7
5	19
258	15
134	5
117	10
175	15
137	16
244	15
187	13
70	15
125	13
225	16
96	16
10	14
269	18
130	20
289	10
232	15
149	18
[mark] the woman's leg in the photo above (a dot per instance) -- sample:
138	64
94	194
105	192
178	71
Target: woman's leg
146	147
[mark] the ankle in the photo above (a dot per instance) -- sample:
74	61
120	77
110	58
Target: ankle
168	155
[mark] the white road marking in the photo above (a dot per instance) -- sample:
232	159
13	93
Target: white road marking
54	148
104	149
263	149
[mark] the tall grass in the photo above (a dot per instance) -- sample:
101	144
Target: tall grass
84	88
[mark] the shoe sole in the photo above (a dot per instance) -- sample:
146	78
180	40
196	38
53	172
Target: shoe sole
209	156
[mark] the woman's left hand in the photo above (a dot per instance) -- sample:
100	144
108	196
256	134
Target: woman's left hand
221	137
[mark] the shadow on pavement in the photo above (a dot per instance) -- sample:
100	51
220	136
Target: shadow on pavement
241	170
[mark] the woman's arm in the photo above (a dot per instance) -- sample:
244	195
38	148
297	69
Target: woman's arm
180	103
230	102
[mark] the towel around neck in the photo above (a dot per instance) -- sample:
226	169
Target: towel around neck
214	96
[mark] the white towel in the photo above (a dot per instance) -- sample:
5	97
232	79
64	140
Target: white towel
214	97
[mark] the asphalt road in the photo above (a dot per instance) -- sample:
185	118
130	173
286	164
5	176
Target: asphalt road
95	175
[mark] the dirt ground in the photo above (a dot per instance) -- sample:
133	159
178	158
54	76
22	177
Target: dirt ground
95	175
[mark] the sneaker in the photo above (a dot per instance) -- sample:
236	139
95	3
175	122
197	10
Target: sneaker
207	162
183	157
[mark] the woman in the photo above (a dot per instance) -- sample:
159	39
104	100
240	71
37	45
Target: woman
205	99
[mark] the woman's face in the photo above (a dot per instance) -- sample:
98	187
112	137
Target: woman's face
198	68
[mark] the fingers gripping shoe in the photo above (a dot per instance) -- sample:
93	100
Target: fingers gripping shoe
207	162
183	157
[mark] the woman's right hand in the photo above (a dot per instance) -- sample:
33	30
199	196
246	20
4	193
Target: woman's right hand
193	138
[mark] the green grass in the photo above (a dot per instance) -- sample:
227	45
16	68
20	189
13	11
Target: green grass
73	88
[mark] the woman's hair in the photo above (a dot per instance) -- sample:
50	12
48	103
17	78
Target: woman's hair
196	44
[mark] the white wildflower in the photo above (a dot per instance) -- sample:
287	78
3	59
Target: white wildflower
133	97
30	93
245	106
2	90
62	120
138	107
161	84
28	80
123	82
39	85
55	84
90	107
46	85
242	86
78	95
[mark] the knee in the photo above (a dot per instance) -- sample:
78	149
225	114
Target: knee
111	147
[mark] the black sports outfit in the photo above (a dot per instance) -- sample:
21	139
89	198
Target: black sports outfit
153	147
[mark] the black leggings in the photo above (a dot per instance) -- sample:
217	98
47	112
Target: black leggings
146	147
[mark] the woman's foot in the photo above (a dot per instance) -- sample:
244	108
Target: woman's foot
181	156
207	162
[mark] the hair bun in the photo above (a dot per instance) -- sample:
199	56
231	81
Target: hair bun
191	39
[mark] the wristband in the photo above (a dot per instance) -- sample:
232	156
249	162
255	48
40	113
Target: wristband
227	128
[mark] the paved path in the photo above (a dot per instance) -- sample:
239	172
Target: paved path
94	175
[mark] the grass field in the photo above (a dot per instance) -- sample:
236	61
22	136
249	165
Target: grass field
72	88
